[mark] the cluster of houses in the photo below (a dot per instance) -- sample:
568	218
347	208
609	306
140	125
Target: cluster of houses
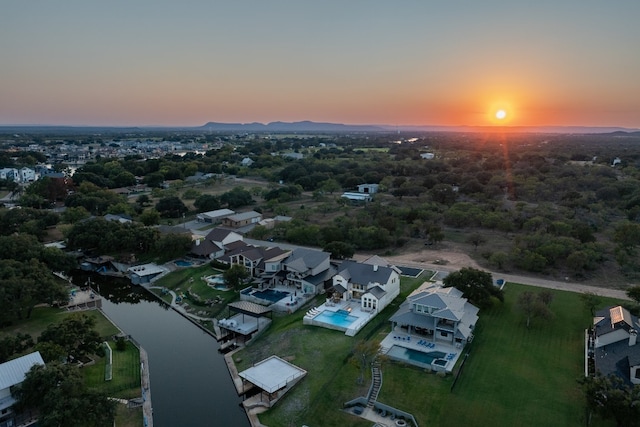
25	175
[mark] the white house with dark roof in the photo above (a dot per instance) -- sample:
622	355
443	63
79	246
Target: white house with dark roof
373	286
613	343
215	243
436	314
12	373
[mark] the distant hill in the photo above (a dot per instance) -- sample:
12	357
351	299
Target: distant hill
314	127
304	126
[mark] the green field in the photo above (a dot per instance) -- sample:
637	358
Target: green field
125	382
514	376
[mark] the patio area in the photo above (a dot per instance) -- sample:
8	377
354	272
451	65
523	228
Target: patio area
420	351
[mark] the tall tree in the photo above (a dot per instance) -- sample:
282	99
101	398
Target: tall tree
75	334
234	276
476	285
610	398
364	353
535	304
57	392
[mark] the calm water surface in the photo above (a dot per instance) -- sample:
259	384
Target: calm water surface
190	382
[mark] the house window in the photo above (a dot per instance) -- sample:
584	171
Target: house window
637	375
443	334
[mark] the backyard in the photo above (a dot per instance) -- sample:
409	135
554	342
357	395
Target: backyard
514	376
126	364
197	297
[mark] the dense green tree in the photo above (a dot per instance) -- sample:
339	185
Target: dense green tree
206	203
633	292
236	198
75	334
25	284
339	250
171	246
171	207
74	214
235	276
610	398
150	217
476	285
57	392
11	345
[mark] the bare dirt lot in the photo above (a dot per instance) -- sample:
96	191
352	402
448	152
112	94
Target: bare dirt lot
450	257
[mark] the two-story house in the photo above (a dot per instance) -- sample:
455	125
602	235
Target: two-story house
256	259
214	243
436	314
307	269
613	344
373	286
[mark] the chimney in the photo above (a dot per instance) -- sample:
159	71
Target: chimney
375	267
197	242
633	335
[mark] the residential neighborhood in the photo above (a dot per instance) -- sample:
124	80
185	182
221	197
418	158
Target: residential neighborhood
299	284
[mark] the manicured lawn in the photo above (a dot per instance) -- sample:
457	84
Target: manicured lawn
514	376
125	382
128	417
41	317
190	279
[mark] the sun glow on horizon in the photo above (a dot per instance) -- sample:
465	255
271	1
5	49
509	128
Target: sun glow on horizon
500	113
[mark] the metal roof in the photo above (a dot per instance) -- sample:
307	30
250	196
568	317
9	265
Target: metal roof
250	308
13	371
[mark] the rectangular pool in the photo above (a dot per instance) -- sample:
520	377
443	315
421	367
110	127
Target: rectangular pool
414	357
340	318
270	295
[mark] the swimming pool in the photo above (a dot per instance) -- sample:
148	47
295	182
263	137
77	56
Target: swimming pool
183	263
414	357
270	295
340	318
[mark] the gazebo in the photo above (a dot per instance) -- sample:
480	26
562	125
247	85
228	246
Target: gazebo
245	318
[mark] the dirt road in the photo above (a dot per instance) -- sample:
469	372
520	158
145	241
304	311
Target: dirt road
451	260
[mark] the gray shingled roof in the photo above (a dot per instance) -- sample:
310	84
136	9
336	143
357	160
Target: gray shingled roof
364	274
302	259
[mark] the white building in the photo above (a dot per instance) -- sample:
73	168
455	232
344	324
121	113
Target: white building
12	373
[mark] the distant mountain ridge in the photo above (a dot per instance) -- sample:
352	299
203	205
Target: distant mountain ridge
308	126
303	126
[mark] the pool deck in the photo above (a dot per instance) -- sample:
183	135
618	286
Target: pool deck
353	307
402	339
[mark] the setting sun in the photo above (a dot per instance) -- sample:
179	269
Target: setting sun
501	114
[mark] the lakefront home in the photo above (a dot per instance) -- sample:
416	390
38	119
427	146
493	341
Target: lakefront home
436	314
613	344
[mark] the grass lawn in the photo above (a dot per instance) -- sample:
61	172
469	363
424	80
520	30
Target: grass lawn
190	279
125	382
514	376
126	365
126	417
41	317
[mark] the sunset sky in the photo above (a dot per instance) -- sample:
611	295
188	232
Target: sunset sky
409	62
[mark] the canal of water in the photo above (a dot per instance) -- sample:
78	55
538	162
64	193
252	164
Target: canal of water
190	383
